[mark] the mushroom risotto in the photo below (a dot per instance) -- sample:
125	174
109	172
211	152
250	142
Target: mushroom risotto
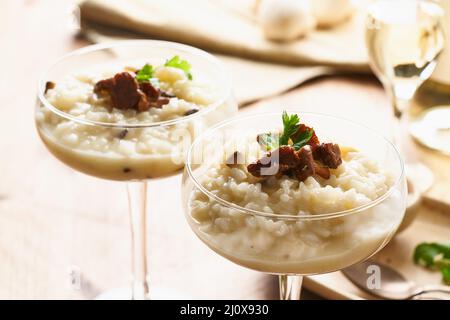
291	173
131	94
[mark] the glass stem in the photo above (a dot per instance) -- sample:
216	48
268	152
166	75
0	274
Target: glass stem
404	142
400	108
290	287
137	200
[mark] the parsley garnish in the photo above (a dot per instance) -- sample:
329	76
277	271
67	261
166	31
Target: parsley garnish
434	256
268	140
302	139
145	74
177	62
291	124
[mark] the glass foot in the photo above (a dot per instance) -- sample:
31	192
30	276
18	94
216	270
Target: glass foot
419	176
432	128
157	293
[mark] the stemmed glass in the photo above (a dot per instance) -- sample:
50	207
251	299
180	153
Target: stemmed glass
404	39
74	141
290	245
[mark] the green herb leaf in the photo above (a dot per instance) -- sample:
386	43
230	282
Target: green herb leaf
290	126
428	254
446	275
434	256
145	74
268	140
177	62
302	139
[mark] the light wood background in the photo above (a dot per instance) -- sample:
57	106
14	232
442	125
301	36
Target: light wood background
65	235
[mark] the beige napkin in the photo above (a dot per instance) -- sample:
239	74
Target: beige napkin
228	27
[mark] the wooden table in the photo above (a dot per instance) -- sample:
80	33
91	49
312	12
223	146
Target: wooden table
66	235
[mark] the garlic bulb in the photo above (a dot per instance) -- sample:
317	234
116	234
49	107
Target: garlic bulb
286	20
331	12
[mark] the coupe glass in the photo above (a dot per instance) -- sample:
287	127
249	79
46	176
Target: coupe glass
283	244
135	169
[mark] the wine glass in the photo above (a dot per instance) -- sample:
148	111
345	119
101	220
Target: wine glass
404	39
128	145
257	225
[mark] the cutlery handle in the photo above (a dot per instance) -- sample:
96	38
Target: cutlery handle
436	288
431	289
426	297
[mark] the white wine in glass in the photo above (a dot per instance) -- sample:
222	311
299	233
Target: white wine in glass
404	39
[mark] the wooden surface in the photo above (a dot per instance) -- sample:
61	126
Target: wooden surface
429	226
65	235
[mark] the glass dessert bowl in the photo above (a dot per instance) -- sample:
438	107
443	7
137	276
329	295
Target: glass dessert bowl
128	111
294	197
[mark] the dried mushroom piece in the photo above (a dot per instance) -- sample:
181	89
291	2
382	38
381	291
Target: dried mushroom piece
299	154
128	93
48	86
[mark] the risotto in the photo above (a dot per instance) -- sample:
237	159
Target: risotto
295	246
161	93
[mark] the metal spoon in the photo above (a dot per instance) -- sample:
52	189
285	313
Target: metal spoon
384	282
